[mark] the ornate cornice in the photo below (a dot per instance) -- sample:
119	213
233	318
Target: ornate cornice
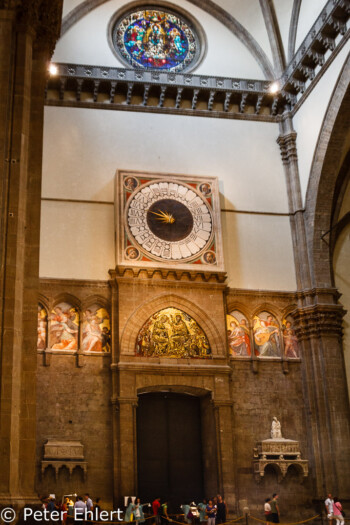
319	320
165	275
161	92
327	35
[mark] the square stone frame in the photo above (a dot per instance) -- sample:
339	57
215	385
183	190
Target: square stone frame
120	227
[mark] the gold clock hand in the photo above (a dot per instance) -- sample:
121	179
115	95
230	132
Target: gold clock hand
165	217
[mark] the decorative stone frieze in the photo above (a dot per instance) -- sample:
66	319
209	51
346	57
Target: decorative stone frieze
119	88
63	450
59	454
331	24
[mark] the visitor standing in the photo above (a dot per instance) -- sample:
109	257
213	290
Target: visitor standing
139	515
338	512
202	508
79	509
129	510
186	509
155	510
267	510
89	506
211	512
163	513
221	511
329	508
275	512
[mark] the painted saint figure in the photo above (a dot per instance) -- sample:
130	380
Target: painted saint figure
238	338
64	328
290	340
160	336
266	336
180	332
96	336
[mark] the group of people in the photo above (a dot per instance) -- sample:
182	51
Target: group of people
334	510
212	511
71	509
271	510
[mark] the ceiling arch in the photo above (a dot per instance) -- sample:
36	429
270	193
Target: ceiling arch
206	5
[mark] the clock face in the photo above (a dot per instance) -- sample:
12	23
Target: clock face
169	221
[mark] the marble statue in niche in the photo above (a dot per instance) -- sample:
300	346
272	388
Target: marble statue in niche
42	328
96	330
266	335
238	334
172	333
290	340
64	327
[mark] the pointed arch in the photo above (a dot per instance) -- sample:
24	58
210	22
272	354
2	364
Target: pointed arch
321	196
206	5
140	316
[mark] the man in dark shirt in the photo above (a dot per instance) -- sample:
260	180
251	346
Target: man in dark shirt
275	513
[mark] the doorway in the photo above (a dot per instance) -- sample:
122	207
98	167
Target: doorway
169	448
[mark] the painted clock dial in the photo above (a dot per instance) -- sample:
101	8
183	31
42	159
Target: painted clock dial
169	221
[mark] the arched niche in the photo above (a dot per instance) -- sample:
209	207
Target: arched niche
146	310
238	334
267	335
64	326
95	328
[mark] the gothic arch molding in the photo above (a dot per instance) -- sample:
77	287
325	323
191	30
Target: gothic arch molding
206	5
331	148
67	298
139	317
267	307
177	389
95	299
240	307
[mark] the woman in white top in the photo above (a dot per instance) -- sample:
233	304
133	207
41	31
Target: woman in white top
267	510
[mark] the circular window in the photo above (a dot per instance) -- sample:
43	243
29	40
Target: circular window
156	38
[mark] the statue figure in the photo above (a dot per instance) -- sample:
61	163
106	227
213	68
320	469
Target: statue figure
276	429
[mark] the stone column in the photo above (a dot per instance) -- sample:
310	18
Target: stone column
25	48
288	147
223	419
319	328
318	322
127	446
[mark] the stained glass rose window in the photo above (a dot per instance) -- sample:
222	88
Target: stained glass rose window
154	38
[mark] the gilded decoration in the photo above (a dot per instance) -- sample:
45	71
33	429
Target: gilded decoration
172	333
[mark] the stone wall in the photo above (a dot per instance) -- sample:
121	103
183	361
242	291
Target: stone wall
82	397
